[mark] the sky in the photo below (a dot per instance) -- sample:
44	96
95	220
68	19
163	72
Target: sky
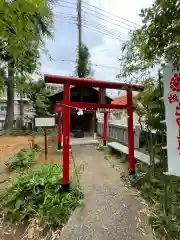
102	32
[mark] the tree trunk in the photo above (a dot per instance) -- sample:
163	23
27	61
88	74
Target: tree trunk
21	111
10	99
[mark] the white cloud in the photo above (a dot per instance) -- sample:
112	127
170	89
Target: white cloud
106	49
108	52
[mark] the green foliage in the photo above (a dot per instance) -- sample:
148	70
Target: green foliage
134	67
148	105
166	226
83	64
157	41
38	94
161	28
22	26
23	159
37	194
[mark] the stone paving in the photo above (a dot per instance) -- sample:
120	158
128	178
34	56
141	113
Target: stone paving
111	210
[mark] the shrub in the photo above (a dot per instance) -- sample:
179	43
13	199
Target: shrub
166	225
37	194
22	159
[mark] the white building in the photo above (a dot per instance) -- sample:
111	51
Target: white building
28	112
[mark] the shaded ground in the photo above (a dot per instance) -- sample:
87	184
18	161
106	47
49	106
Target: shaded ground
111	210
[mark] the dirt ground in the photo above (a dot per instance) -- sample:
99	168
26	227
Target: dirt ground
13	144
10	145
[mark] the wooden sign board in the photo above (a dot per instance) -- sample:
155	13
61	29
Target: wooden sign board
45	121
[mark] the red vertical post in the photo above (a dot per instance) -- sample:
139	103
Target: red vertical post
66	135
59	131
105	127
130	132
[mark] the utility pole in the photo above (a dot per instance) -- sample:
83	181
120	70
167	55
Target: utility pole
79	24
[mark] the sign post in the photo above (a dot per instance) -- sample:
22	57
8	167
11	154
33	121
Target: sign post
45	121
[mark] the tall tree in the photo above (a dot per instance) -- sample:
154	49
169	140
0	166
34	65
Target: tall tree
161	30
37	92
156	42
23	25
83	63
133	66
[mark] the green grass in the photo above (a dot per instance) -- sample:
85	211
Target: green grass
23	159
36	194
166	226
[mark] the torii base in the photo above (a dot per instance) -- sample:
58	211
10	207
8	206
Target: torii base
132	172
61	150
65	188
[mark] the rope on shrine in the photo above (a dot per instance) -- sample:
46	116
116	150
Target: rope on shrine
86	109
64	105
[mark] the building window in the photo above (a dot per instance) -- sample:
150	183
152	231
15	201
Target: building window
3	108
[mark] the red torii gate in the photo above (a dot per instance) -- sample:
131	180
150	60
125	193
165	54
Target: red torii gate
67	104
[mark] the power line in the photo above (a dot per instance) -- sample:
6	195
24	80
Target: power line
102	52
67	7
108	21
69	17
105	66
64	14
105	20
73	16
100	19
71	3
111	14
104	33
101	26
108	30
71	21
102	15
94	64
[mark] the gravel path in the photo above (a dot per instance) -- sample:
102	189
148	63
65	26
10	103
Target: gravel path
111	210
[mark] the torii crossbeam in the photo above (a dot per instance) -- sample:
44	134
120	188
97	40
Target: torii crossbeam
67	104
